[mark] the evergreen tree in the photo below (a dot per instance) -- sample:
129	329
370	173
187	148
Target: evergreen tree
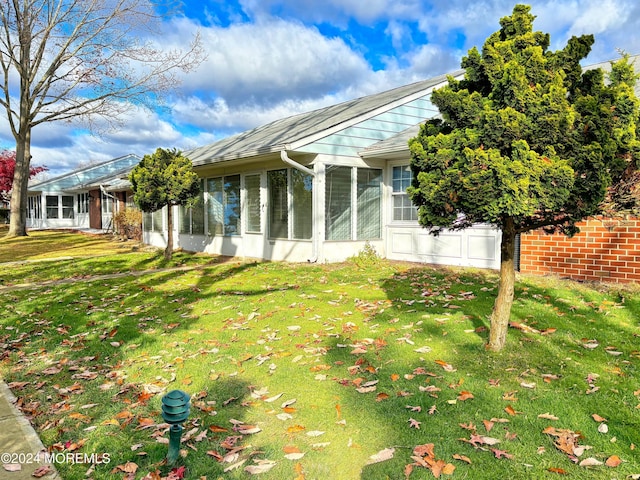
527	140
165	178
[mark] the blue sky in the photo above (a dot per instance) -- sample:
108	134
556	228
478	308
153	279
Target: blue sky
269	59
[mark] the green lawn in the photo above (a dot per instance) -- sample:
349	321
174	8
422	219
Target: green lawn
307	371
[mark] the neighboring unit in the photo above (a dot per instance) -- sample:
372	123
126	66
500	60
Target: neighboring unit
84	198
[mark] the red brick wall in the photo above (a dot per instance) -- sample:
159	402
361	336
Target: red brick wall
605	250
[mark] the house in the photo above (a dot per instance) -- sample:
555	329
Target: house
319	186
83	198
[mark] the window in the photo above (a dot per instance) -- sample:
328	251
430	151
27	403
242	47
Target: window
278	204
403	209
83	202
107	203
153	221
301	204
348	191
290	204
252	187
369	193
223	205
214	196
191	218
34	211
338	203
52	206
67	206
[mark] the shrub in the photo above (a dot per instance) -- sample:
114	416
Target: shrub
128	223
366	257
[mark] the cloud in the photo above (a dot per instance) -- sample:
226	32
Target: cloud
271	60
142	132
337	12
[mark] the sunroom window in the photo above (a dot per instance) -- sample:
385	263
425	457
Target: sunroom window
346	192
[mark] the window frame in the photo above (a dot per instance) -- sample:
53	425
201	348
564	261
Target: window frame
413	220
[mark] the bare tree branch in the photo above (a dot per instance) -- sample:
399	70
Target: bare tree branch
65	60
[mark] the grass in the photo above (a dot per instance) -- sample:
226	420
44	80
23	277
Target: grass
356	350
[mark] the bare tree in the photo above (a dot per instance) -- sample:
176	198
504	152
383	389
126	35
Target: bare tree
80	60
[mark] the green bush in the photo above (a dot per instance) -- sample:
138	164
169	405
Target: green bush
4	215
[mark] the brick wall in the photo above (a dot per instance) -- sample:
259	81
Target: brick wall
605	250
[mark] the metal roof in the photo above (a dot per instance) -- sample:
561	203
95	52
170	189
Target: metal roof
281	134
83	178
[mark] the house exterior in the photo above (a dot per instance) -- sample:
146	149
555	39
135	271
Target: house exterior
319	186
83	198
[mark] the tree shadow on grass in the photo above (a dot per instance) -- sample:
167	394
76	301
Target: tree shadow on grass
556	363
73	355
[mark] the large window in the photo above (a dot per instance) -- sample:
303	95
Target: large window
403	209
369	196
302	204
278	204
214	206
290	204
338	203
223	205
52	206
67	206
347	192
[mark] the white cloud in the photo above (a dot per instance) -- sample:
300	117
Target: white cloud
265	62
338	12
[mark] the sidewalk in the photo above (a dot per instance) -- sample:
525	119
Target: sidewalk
18	437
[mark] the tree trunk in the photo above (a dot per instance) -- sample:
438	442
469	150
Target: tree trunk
502	306
168	251
18	216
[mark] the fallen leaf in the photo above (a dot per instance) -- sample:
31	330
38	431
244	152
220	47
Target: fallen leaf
613	461
381	456
598	418
42	471
12	467
501	453
603	428
510	410
128	467
413	423
261	466
295	429
464	395
547	416
557	470
462	458
446	366
590	462
294	456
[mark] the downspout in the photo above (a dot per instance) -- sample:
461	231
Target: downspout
315	201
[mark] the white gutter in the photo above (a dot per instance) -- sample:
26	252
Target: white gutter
315	200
